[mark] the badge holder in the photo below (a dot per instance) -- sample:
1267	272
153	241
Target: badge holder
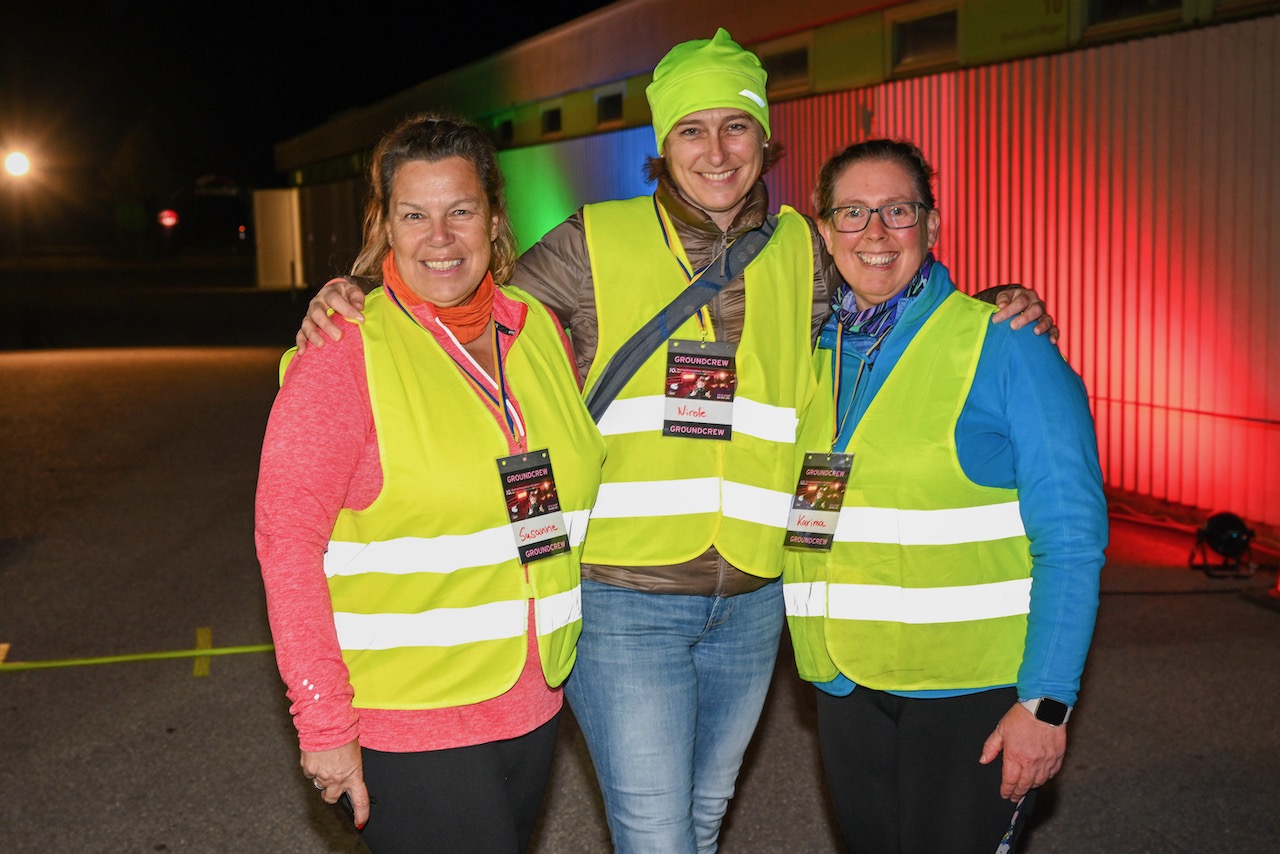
815	506
533	505
700	386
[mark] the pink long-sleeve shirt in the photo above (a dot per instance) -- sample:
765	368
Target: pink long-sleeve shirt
320	455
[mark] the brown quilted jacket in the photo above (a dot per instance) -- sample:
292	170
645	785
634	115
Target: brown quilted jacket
557	271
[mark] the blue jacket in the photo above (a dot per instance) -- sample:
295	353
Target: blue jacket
1025	425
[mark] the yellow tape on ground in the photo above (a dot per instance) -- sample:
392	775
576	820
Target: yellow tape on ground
141	656
204	640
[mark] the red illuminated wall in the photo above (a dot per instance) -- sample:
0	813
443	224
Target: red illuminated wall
1137	187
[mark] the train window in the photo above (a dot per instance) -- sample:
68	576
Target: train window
609	108
925	42
551	121
788	70
1106	11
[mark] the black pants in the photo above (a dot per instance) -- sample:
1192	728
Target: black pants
904	773
483	799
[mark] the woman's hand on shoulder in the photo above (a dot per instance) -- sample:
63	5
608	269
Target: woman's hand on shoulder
339	296
1021	306
339	770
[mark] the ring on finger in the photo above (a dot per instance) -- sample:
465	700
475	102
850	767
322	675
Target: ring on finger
317	784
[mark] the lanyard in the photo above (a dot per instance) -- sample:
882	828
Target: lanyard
499	402
837	423
667	234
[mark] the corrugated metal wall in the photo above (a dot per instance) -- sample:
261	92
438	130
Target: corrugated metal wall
547	183
1136	187
1133	185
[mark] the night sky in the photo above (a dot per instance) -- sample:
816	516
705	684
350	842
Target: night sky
191	89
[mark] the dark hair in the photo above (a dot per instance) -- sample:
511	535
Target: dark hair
432	137
899	151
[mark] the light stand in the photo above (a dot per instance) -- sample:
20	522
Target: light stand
1226	535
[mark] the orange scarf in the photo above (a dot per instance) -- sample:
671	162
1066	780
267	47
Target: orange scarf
467	321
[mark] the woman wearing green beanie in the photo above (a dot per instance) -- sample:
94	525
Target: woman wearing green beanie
682	607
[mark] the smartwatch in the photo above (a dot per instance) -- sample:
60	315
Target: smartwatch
1048	710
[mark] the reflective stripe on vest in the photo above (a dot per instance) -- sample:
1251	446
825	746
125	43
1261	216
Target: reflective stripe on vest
929	527
750	418
652	498
446	627
430	601
919	606
928	584
442	554
665	500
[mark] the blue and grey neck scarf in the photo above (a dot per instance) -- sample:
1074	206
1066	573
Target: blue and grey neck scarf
875	321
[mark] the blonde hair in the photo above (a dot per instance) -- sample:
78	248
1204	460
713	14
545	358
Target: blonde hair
432	137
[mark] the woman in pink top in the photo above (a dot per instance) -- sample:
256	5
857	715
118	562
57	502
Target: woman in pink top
423	646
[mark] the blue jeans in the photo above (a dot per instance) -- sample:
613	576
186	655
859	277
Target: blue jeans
667	690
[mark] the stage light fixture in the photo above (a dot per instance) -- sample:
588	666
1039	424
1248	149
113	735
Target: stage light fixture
1227	535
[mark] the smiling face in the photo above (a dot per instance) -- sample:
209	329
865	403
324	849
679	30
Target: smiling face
878	262
440	229
715	158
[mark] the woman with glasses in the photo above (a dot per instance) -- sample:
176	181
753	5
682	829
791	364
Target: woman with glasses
947	624
682	609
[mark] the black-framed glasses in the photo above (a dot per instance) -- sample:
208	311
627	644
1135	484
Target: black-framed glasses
851	219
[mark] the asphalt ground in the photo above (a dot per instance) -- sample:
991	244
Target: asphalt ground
126	529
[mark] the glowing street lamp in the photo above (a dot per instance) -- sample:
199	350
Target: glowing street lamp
17	164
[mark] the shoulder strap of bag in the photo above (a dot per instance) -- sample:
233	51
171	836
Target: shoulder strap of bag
631	355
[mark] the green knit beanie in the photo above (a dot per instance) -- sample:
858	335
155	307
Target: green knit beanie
706	74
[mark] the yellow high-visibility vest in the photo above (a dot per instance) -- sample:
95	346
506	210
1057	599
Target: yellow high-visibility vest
665	499
928	583
429	597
